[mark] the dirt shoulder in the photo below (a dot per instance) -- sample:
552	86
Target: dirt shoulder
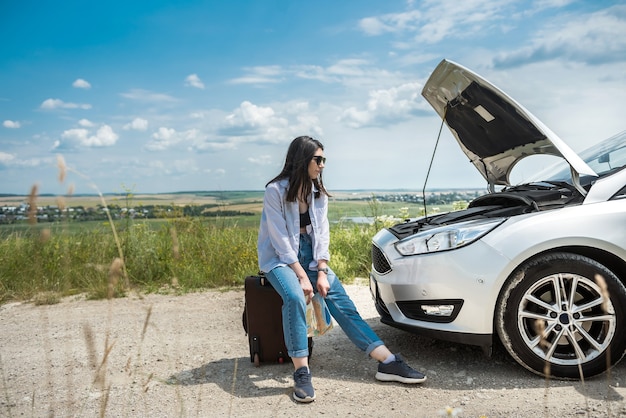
178	356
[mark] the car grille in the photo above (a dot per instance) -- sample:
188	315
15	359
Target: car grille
379	261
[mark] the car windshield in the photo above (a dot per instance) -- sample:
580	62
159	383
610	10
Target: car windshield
605	157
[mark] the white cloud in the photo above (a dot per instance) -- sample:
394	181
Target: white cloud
437	20
197	115
260	75
263	124
261	160
352	72
77	135
374	26
6	158
594	38
138	124
360	74
248	114
193	80
104	137
348	68
11	124
148	96
86	123
254	122
393	22
166	138
10	160
215	146
386	105
164	134
79	83
51	104
549	4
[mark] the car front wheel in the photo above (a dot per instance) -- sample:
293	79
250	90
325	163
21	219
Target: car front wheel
562	315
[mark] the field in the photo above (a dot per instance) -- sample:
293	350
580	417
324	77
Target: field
343	205
177	242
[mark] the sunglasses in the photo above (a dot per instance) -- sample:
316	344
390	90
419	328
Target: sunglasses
319	159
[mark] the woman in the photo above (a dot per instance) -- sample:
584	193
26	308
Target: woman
293	253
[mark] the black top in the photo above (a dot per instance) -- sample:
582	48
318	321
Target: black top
305	219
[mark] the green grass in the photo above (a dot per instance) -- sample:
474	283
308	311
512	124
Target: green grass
181	255
43	262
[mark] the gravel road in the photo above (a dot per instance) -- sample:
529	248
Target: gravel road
187	356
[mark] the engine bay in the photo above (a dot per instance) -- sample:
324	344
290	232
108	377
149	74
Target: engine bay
511	201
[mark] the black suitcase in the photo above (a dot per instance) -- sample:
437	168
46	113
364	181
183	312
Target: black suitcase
263	322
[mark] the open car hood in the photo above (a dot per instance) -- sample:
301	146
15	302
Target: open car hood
493	130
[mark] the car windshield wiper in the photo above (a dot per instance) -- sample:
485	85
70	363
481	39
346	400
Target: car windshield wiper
540	185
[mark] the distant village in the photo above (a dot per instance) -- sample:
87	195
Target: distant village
53	213
433	197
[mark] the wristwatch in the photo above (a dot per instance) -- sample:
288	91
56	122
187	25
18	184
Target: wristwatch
324	269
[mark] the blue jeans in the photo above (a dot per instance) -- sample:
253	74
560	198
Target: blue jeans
341	307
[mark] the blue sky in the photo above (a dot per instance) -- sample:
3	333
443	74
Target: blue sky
161	96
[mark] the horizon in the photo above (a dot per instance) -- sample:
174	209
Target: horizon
200	95
138	193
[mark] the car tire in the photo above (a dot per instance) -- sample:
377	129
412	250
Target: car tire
584	334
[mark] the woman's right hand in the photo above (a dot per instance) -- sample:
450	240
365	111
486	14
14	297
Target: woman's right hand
307	288
305	283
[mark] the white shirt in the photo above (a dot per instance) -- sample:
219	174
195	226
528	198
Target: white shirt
279	234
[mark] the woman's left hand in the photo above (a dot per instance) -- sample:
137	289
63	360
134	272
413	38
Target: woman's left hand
322	284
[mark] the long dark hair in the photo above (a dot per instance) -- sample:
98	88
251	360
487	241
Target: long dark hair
296	169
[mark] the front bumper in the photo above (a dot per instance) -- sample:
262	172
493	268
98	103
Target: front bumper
482	340
449	295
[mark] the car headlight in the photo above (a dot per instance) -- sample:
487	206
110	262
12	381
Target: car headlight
447	237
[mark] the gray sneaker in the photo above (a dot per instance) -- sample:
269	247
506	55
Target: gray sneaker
399	371
303	389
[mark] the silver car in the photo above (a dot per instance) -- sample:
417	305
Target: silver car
539	265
